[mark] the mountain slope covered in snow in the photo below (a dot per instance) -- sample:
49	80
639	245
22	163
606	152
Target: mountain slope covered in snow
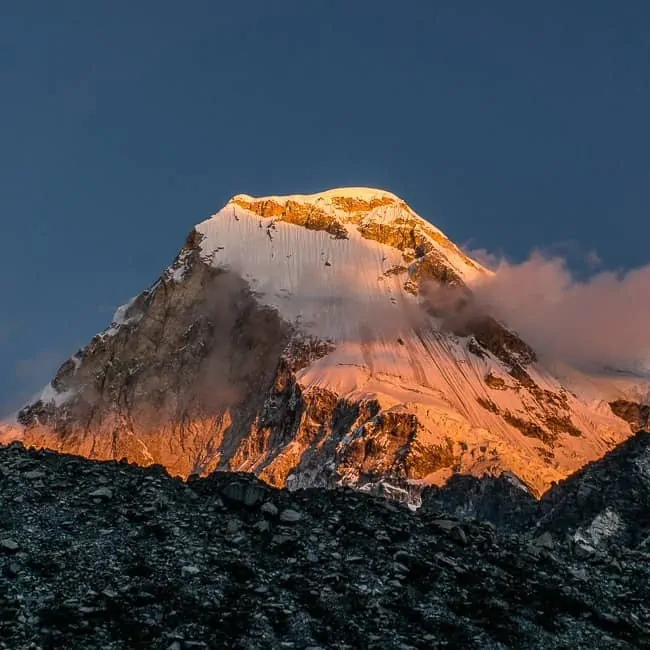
319	340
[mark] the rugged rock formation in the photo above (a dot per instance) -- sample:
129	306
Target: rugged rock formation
638	415
503	501
9	432
109	555
179	383
603	506
315	341
607	503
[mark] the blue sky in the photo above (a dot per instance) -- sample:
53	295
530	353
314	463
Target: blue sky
510	125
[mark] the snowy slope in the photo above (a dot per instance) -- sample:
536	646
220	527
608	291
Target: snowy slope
333	286
385	347
349	268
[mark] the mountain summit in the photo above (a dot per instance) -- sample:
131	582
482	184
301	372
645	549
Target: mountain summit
318	340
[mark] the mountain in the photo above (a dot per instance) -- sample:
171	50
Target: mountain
320	340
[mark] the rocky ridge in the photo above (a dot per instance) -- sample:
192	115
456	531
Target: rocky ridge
109	555
602	506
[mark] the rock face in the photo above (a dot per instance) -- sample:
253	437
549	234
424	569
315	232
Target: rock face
638	415
503	501
178	383
316	341
110	555
9	432
603	506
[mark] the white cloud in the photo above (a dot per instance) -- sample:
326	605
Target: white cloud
603	320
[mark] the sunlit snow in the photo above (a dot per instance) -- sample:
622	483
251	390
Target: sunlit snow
339	290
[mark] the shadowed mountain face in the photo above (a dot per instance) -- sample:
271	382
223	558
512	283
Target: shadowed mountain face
607	503
180	386
317	341
604	505
638	415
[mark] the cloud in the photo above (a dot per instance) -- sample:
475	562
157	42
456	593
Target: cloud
484	257
601	320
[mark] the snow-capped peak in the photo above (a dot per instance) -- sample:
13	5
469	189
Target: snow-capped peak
307	334
361	193
345	203
353	212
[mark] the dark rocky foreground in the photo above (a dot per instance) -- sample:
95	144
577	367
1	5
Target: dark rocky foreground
109	555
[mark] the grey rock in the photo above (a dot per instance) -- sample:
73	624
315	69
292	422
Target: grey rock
34	474
247	494
8	545
263	526
290	516
102	493
545	540
269	509
458	535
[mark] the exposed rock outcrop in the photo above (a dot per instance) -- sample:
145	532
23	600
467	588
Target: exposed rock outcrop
299	214
637	415
179	383
603	506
